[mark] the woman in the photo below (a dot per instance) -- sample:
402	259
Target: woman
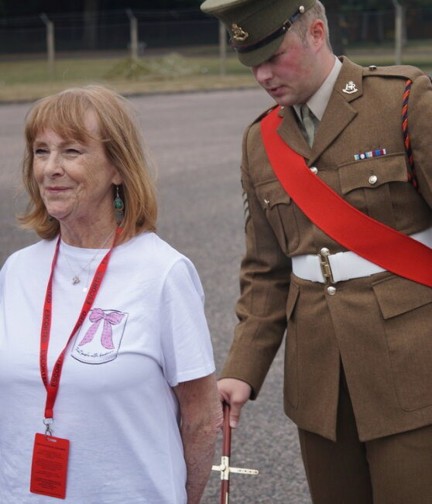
103	336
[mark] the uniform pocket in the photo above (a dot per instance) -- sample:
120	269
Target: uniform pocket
374	186
406	308
279	210
373	173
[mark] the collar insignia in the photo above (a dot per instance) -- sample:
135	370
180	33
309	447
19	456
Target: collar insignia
350	88
238	34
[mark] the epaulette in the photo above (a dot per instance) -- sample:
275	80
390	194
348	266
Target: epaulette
402	71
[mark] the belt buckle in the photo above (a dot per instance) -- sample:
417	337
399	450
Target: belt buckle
324	259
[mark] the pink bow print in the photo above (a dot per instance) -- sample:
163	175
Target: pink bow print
110	319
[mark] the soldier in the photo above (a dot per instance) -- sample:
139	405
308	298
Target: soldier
338	181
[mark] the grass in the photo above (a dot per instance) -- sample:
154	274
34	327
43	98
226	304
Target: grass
29	79
417	53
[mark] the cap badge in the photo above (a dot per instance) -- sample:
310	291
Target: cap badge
350	88
238	34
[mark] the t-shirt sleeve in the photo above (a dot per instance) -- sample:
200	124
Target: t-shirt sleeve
3	273
185	338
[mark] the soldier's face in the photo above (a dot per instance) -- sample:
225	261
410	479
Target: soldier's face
290	76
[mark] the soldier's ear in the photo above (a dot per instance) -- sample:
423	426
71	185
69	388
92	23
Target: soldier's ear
317	33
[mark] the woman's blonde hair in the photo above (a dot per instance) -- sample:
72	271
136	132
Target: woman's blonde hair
65	114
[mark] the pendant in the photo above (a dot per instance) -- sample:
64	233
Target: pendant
75	280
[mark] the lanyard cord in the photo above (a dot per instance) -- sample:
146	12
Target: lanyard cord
52	385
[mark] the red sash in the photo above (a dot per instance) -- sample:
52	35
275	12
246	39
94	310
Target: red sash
370	239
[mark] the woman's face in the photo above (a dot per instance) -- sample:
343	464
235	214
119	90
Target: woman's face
75	179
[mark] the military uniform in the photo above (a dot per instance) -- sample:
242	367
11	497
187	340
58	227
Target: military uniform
378	327
358	349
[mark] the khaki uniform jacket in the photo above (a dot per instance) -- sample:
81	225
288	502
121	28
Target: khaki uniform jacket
378	327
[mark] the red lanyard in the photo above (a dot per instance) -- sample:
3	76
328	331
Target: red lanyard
52	385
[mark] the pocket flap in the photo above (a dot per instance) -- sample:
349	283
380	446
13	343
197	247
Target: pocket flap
397	295
373	172
271	194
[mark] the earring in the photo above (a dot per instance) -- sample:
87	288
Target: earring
118	207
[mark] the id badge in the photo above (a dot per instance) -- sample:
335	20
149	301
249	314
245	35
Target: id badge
49	466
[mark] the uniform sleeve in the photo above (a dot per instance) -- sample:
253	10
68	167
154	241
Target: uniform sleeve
420	129
264	284
186	344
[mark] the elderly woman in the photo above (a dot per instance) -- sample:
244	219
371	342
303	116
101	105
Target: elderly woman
103	336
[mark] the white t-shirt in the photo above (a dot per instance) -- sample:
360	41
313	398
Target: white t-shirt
146	333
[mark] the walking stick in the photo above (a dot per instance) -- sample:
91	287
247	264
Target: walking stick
224	468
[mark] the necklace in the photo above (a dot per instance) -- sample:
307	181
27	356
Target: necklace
76	278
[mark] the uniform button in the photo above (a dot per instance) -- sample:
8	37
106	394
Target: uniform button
314	170
373	179
331	291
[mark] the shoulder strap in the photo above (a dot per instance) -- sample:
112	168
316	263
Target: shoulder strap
393	251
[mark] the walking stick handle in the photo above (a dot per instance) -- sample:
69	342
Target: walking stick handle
226	454
226	449
224	468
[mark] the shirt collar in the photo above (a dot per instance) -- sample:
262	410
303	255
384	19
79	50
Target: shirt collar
318	102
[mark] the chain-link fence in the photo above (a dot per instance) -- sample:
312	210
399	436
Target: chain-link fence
379	26
117	31
106	31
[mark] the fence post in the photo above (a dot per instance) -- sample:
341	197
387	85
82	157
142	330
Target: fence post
50	41
398	31
222	48
133	34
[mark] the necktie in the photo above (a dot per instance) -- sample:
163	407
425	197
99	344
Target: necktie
308	120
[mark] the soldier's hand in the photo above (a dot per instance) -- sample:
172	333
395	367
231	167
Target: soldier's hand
236	393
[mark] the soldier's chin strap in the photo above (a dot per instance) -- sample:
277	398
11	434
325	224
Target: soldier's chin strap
224	468
356	231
